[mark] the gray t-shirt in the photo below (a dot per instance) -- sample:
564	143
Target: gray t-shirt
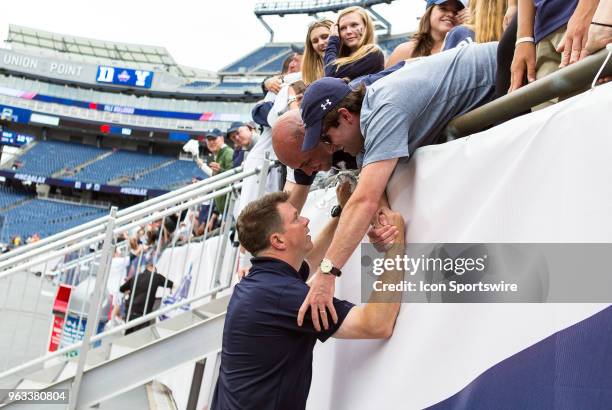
410	107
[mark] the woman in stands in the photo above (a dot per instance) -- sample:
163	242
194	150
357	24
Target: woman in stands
315	45
439	18
351	50
486	24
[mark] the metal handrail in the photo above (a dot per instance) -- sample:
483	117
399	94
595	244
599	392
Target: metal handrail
96	223
127	220
568	80
154	209
100	336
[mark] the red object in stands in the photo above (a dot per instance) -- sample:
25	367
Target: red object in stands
105	128
60	306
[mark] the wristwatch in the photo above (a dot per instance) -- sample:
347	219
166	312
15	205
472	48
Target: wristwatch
336	211
329	269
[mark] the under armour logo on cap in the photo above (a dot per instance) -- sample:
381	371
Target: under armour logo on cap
326	93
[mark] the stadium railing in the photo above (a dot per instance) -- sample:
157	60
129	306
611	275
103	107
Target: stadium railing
211	260
309	6
569	80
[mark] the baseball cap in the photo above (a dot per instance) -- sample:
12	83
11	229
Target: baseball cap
319	99
462	3
234	127
215	132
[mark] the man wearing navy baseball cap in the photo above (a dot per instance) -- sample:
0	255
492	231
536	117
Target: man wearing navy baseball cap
381	125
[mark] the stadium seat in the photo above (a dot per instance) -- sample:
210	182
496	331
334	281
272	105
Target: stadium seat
170	176
45	218
120	164
48	157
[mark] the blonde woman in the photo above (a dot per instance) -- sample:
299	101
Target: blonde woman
316	43
486	24
351	50
439	18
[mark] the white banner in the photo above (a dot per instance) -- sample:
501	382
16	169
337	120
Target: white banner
544	177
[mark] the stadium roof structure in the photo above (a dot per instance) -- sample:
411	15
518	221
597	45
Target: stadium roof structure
312	7
100	50
62	43
275	7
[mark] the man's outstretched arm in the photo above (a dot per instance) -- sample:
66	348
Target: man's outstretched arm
352	227
376	318
324	238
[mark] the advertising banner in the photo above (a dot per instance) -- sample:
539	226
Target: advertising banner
124	76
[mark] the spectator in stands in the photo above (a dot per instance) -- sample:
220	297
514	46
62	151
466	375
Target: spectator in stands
485	25
244	142
439	18
222	161
551	34
351	50
266	359
232	131
142	293
381	125
292	64
135	249
316	43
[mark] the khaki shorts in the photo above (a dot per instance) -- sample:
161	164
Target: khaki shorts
548	59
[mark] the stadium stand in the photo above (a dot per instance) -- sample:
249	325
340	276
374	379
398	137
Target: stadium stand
257	58
274	66
169	176
10	196
48	157
120	164
45	218
388	43
96	51
199	84
61	94
274	7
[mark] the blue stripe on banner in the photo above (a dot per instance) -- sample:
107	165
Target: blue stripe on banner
572	369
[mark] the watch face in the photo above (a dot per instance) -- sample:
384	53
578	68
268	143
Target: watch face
326	266
335	211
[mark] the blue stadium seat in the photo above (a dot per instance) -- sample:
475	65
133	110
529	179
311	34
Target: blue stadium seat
171	176
388	44
9	196
47	157
274	66
45	218
257	57
119	164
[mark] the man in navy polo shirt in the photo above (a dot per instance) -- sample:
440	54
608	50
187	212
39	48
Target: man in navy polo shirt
266	359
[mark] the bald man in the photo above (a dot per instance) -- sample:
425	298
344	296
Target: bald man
287	140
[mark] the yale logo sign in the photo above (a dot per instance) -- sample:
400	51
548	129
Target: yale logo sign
124	76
